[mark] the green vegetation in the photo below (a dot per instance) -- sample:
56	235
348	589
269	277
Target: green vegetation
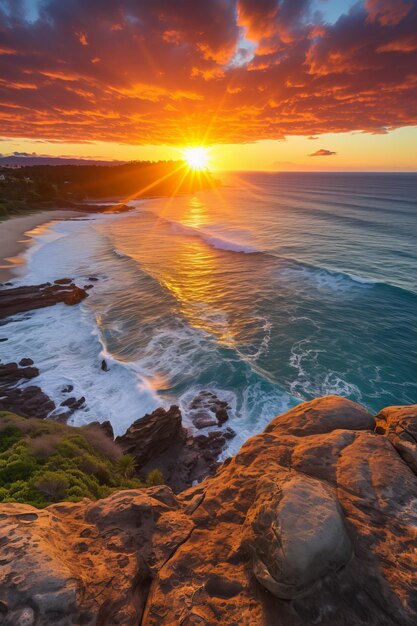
155	477
43	462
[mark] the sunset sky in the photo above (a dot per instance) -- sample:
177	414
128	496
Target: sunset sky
268	84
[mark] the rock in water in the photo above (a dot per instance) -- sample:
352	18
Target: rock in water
28	401
207	410
23	299
313	522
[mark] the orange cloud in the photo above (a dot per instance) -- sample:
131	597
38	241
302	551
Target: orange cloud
226	71
323	152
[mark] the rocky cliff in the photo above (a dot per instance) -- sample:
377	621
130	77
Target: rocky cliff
314	521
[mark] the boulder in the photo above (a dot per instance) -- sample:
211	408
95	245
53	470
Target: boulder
296	534
322	415
25	362
73	404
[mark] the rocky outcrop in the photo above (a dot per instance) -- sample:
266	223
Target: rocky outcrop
399	424
152	434
29	400
159	441
22	299
206	410
314	521
86	563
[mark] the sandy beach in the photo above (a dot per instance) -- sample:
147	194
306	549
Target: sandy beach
15	237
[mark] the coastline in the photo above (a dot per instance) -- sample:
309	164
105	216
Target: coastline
15	238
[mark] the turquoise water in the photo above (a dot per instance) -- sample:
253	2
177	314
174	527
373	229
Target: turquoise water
273	289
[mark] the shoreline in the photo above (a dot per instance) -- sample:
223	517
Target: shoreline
15	237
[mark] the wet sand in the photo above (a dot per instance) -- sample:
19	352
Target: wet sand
15	238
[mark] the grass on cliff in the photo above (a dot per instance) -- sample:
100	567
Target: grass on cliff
42	462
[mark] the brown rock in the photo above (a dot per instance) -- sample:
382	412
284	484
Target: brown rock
63	281
152	434
206	410
313	522
63	564
73	404
296	534
22	299
25	362
399	424
28	401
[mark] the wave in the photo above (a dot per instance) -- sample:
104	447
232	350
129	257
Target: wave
313	380
326	279
67	349
323	277
215	241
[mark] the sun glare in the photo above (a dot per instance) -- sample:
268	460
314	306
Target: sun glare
197	158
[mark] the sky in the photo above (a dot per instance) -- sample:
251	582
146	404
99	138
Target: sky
265	84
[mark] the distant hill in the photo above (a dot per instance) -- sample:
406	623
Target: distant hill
21	160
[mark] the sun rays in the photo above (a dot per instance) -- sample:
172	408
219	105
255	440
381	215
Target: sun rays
197	158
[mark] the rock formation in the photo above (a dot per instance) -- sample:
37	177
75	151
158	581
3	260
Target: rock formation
22	299
314	521
15	396
159	441
206	410
25	400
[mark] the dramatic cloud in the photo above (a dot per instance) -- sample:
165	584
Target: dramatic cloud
388	12
141	71
323	152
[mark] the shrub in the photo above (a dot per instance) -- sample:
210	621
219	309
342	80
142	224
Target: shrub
43	447
8	436
127	465
155	477
101	442
43	461
52	485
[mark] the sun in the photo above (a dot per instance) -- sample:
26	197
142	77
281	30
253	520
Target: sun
197	158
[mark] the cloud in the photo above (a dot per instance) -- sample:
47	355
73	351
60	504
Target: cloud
140	72
388	12
323	152
24	154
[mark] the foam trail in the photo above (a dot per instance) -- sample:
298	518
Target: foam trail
322	278
216	242
68	356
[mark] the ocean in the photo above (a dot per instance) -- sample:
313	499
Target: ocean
273	289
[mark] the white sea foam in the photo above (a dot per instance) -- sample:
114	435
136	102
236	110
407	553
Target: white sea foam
64	344
221	243
257	407
325	279
312	379
249	412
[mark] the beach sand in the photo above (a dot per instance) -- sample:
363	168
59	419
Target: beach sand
15	237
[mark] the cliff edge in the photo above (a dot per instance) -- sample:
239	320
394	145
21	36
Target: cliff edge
314	521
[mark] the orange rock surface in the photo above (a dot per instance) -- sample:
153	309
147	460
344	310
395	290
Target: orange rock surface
314	521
